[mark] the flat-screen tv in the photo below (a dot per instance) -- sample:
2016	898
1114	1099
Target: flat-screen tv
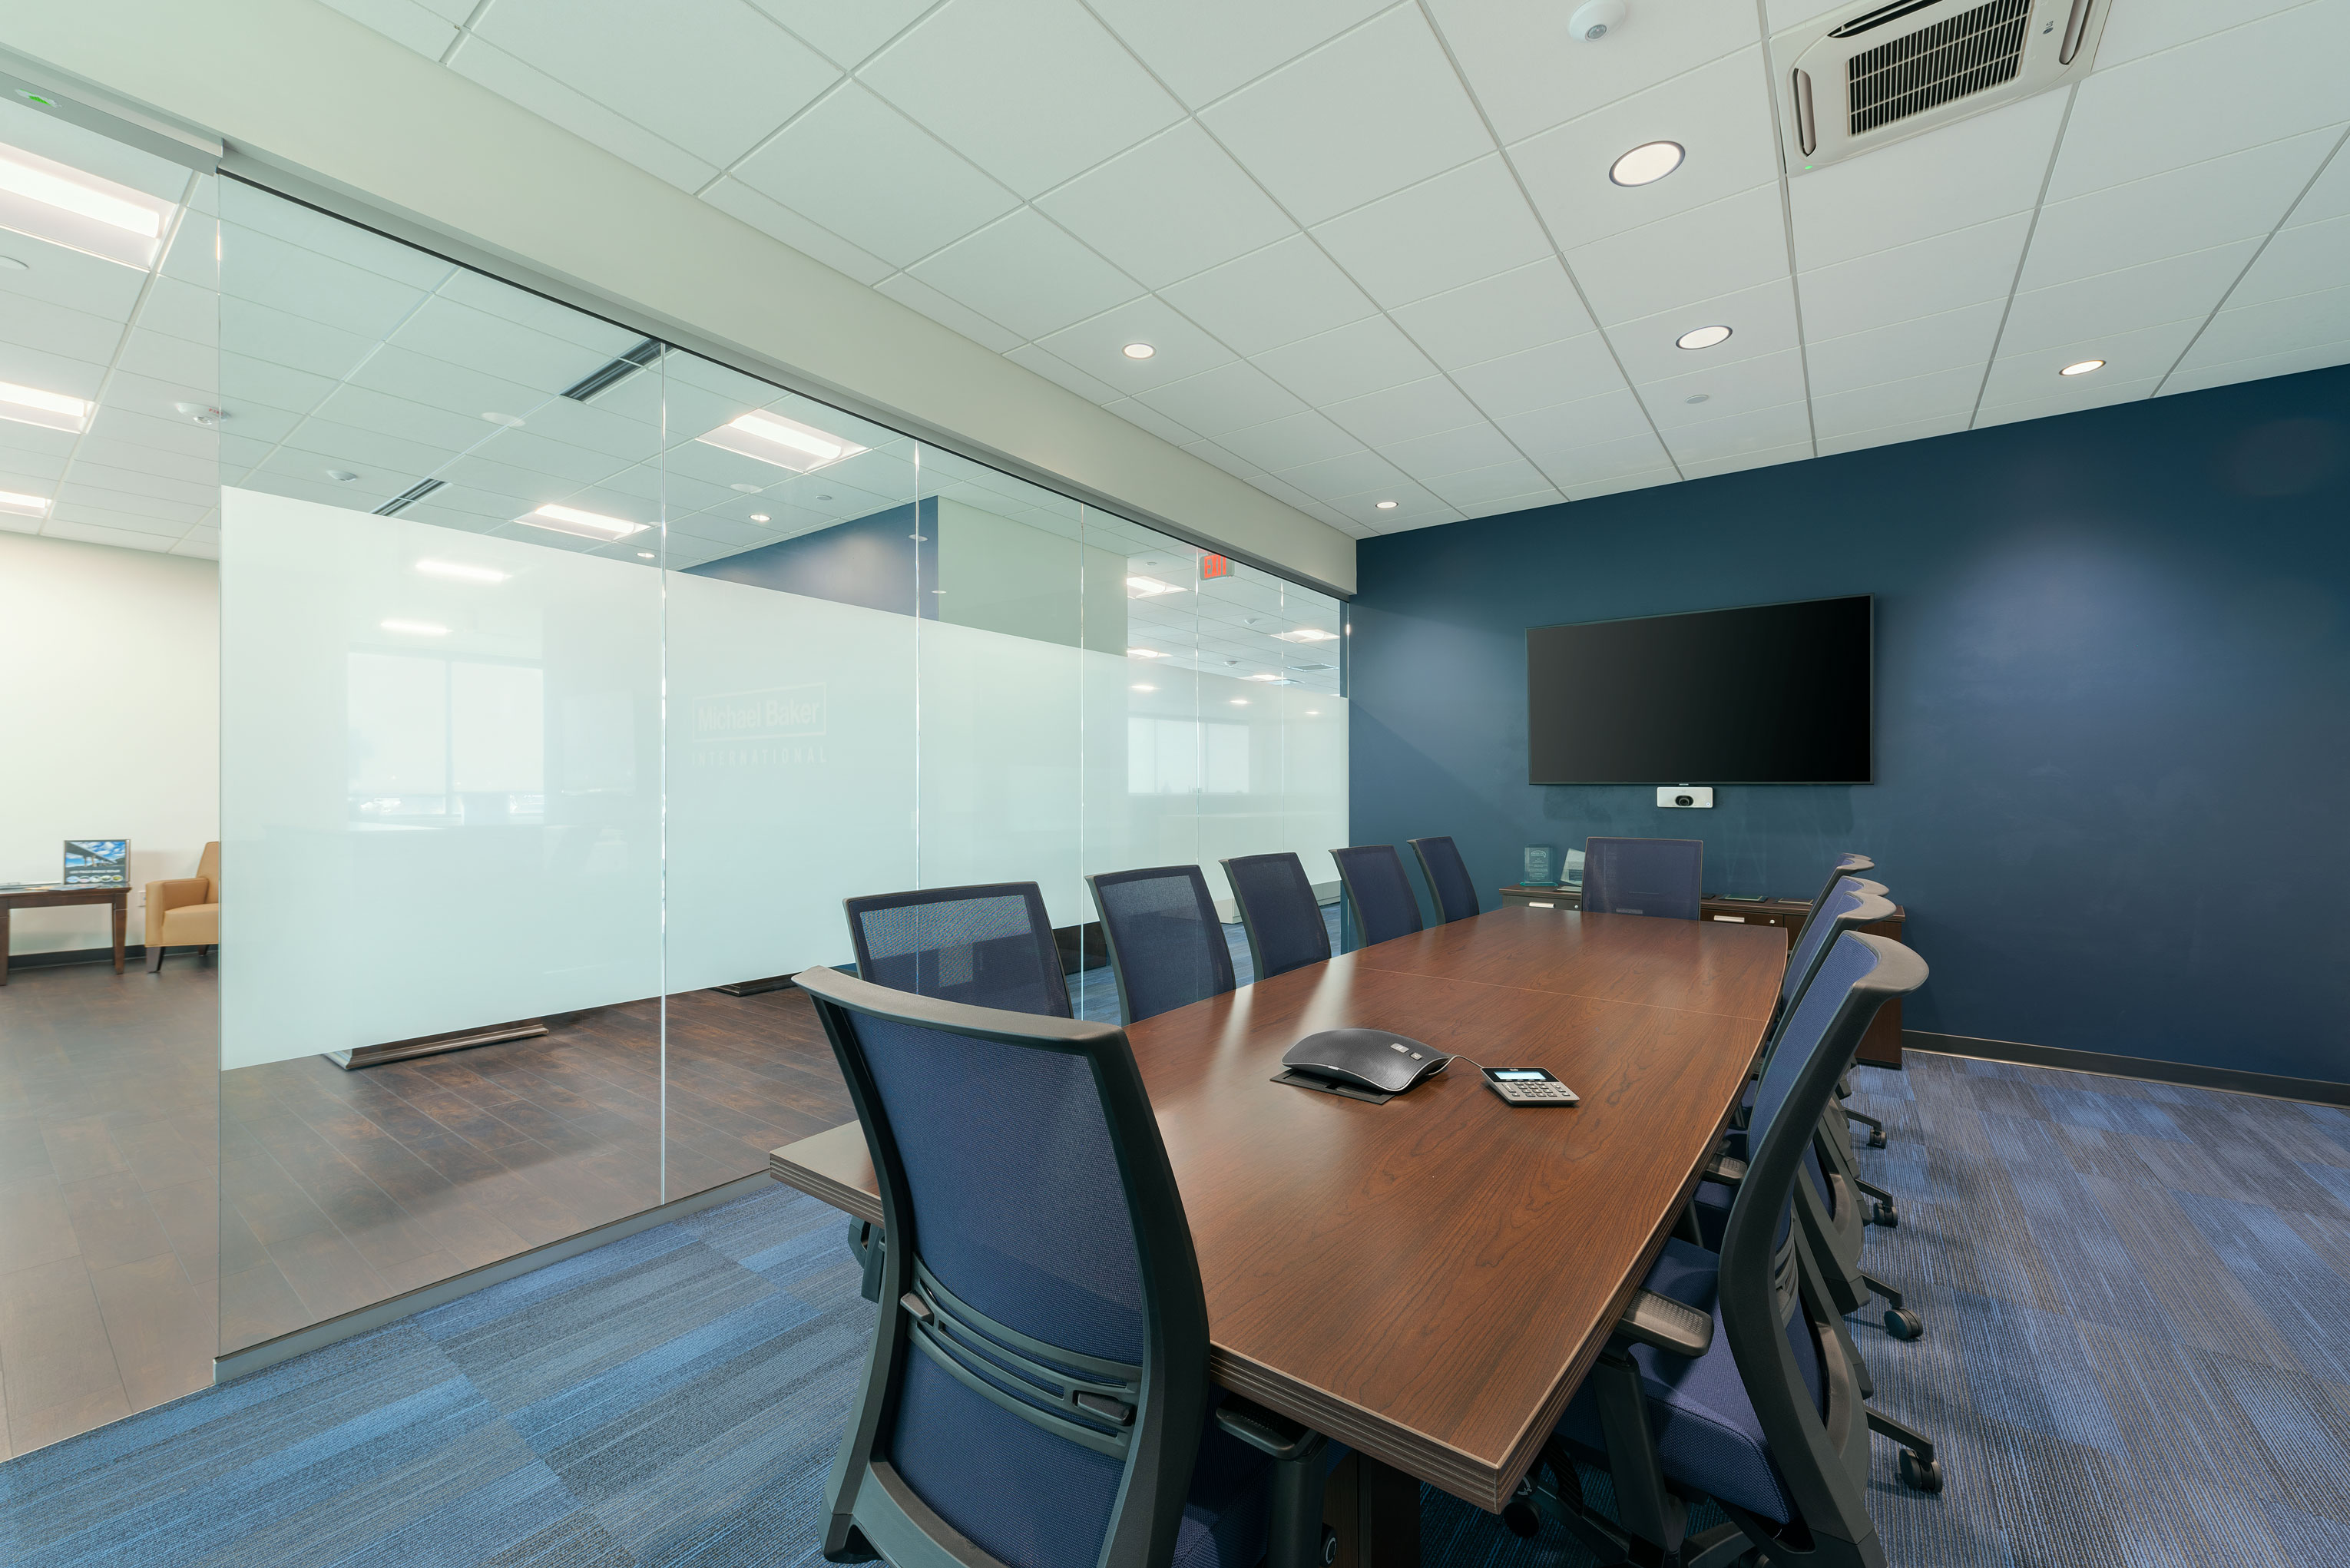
1765	694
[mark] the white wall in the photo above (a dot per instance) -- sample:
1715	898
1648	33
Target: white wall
110	710
311	89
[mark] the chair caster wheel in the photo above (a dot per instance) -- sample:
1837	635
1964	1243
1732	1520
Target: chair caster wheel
1921	1477
1523	1521
1329	1546
1876	1139
1885	1215
1903	1324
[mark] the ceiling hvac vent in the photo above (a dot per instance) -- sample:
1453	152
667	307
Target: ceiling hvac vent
1873	77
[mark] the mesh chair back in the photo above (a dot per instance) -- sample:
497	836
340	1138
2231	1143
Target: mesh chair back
1377	891
988	946
1278	912
1166	945
1040	1373
1643	877
1846	904
1447	877
1847	865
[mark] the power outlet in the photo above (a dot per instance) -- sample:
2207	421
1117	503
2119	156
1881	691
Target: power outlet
1685	795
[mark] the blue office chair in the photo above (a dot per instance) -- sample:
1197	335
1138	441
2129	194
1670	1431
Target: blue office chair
1660	876
1847	864
1278	912
1727	1376
1166	945
1447	877
989	946
1038	1383
1379	900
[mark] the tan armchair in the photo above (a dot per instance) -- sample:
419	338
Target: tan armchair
184	912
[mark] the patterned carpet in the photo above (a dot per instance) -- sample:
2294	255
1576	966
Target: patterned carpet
2136	1354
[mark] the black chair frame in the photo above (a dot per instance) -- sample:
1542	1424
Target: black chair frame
1040	925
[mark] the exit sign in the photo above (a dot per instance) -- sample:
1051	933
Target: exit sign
1215	566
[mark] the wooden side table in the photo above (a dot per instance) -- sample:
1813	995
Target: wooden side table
1880	1047
51	897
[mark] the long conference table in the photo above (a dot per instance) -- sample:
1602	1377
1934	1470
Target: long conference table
1427	1280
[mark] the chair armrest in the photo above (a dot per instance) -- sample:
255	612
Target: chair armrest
165	896
1666	1324
1726	1169
1266	1432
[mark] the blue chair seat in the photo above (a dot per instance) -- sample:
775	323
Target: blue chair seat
1706	1434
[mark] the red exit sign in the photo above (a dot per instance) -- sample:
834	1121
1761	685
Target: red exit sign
1215	566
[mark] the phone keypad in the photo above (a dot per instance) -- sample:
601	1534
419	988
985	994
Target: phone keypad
1533	1094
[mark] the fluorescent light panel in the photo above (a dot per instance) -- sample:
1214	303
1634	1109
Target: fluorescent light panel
59	203
23	505
786	443
51	410
581	524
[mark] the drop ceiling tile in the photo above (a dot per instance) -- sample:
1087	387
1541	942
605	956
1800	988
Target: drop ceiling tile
1920	429
1720	248
1351	473
1739	461
1363	116
56	275
1485	488
2204	204
1530	71
51	373
847	34
121	538
2145	355
1054	368
1024	273
1032	91
1145	417
1366	356
1173	206
184	310
2329	197
1464	225
1942	395
2291	362
1286	291
404	22
1398	413
58	329
712	77
1414	508
1549	436
576	112
2068	402
1097	345
1598	469
458	334
2245	331
1955	177
169	359
1431	457
1542	377
1885	288
1280	490
775	220
1228	398
2149	27
822	168
2301	260
1205	49
164	516
1743	387
2168	290
1760	430
201	544
1906	348
31	473
2129	123
1526	307
1231	462
1450	516
1720	113
1290	442
1761	321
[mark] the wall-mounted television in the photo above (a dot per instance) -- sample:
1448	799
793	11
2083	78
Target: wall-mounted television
1762	694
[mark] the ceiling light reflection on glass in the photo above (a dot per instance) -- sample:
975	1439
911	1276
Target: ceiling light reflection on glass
1144	653
51	410
23	505
1647	163
416	628
1142	587
1307	634
65	207
786	443
460	572
581	524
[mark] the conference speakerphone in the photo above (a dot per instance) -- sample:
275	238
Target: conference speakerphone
1528	1086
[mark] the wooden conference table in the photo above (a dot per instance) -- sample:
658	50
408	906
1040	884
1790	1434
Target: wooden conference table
1427	1280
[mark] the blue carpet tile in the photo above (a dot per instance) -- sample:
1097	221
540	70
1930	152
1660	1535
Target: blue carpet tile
2135	1354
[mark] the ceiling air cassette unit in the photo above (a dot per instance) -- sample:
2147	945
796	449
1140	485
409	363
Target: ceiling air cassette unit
1885	72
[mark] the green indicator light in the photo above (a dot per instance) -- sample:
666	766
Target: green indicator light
36	98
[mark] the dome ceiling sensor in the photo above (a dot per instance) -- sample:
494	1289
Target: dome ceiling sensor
1595	19
1880	73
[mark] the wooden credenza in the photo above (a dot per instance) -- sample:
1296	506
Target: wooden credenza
1881	1047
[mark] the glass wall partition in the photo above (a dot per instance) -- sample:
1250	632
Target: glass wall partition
571	681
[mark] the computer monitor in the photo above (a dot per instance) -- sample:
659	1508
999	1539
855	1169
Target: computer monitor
98	863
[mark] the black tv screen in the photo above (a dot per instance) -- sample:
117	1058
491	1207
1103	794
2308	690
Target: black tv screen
1766	694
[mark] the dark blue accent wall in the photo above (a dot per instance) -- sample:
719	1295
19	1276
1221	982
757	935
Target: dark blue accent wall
2113	708
875	561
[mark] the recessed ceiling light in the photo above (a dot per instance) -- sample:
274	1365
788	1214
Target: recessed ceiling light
1703	338
644	555
1314	712
1647	163
417	627
1139	688
1307	634
1387	505
745	488
1142	588
1139	350
51	410
1240	701
511	421
203	413
460	571
2083	368
759	517
1695	398
23	505
1144	653
584	524
342	475
58	202
786	443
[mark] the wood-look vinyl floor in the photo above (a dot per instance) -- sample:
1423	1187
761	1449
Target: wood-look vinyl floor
153	1210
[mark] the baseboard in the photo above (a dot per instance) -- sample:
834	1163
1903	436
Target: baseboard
269	1352
78	955
2272	1085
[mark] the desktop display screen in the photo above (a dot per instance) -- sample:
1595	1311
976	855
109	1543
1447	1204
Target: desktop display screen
98	862
1764	694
